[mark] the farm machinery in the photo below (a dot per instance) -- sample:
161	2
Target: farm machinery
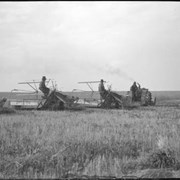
111	99
114	100
56	100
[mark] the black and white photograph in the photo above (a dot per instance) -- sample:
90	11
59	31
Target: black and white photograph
89	89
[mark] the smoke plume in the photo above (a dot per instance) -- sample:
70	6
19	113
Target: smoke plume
117	71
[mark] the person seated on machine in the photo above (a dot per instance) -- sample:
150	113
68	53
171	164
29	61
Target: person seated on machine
43	88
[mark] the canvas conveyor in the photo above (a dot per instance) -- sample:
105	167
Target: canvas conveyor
117	97
57	101
112	100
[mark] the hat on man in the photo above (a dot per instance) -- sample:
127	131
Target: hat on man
44	78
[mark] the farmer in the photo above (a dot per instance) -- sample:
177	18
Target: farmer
2	102
134	90
43	88
102	90
139	91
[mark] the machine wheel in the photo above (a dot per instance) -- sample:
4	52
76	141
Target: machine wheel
146	98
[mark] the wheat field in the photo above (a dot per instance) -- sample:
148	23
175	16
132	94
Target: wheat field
92	142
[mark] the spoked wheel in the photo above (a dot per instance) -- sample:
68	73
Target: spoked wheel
146	98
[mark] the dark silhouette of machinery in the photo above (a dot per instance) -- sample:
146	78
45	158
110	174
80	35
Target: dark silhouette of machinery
141	97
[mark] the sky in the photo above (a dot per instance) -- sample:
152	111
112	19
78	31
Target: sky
69	42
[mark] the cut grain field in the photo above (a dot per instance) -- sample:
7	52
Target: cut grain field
142	142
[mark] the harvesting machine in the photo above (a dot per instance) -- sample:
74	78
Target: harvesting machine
56	100
113	99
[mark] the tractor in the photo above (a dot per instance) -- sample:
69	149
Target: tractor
112	99
144	97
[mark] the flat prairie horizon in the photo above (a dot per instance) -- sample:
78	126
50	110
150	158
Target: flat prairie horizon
170	96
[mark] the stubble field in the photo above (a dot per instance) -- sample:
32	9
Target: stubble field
142	142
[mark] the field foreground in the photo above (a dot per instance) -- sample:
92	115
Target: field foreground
142	142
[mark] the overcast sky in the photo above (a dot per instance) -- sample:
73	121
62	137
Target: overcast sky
119	42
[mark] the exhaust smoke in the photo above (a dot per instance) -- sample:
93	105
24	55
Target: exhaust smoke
117	71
